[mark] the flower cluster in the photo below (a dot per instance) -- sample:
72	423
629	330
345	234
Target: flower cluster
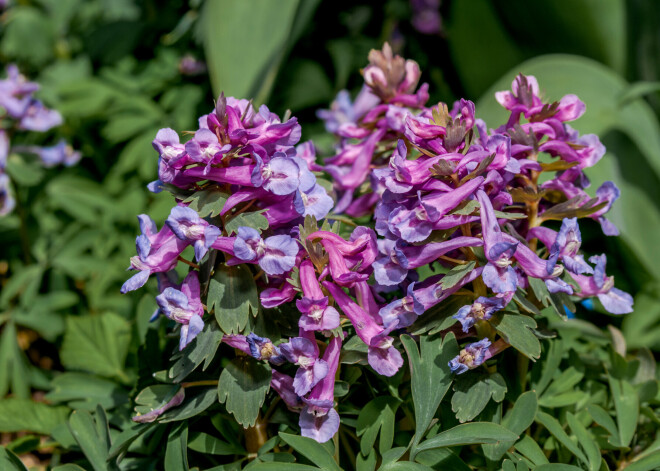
20	111
458	210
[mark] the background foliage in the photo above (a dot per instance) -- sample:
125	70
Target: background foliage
70	341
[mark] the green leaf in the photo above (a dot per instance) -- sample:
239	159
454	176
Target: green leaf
93	437
456	274
648	463
586	441
557	467
97	344
201	349
9	461
207	202
176	452
626	404
474	433
312	450
242	387
404	466
25	415
602	418
155	396
233	295
472	392
83	391
275	466
635	169
531	450
378	414
13	364
638	90
68	467
205	443
431	376
193	405
255	220
516	329
555	428
517	420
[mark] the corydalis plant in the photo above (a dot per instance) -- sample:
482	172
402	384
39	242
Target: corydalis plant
20	111
460	212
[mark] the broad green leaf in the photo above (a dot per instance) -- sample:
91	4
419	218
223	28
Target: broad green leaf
442	458
121	442
648	463
255	220
208	202
638	90
555	428
404	466
97	344
456	274
473	390
474	433
233	296
626	404
195	403
431	376
602	418
9	461
25	415
557	467
13	364
600	88
201	349
378	414
83	391
586	441
312	450
176	452
242	387
517	420
92	435
205	443
156	396
516	329
531	450
242	68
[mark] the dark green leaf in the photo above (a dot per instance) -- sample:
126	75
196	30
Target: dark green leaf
176	452
205	443
9	461
555	428
195	403
517	420
456	274
207	202
626	404
312	450
242	387
83	391
92	435
233	296
25	415
255	220
201	349
586	441
531	450
516	329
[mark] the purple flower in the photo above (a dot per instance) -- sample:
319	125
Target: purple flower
304	353
4	149
402	312
482	309
281	175
614	300
316	314
7	201
188	226
37	117
205	148
62	153
16	92
318	419
184	307
275	255
315	202
470	357
283	385
566	246
262	348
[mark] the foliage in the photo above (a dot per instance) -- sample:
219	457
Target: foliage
78	359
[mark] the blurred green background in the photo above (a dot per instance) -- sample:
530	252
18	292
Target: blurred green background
113	69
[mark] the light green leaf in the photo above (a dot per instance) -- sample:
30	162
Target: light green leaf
233	295
473	433
588	444
515	328
404	466
473	390
531	450
626	404
602	418
242	387
9	461
648	463
98	344
312	450
25	415
378	414
557	467
555	428
431	376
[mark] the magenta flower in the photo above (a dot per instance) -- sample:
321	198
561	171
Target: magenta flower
316	314
304	352
184	306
